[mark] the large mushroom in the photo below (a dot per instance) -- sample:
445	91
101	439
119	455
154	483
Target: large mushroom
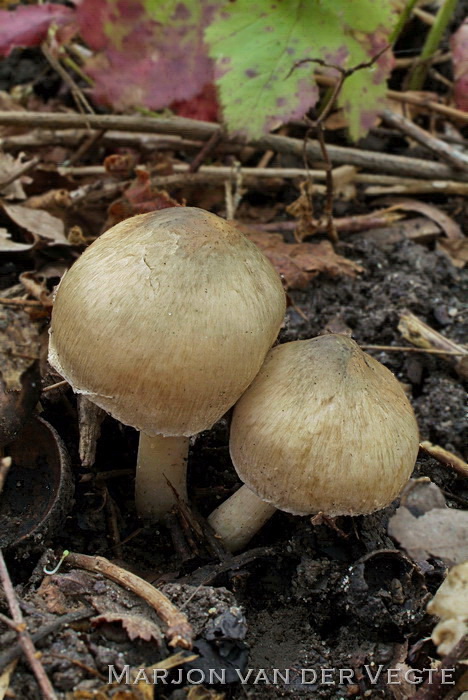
163	322
324	427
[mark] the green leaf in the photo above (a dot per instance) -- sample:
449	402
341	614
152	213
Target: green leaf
264	54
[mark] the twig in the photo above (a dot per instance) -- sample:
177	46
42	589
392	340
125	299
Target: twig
433	39
441	149
445	457
191	128
206	150
24	639
52	387
404	348
179	631
16	650
20	302
429	104
345	224
78	96
380	183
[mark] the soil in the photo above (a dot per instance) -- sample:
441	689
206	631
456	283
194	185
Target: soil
306	594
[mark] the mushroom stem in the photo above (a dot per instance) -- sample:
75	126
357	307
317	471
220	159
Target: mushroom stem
238	519
161	473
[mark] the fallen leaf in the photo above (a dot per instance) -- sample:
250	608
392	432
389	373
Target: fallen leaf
203	106
303	211
35	285
39	223
450	227
8	167
9	246
425	529
28	26
457	250
459	46
136	626
140	197
146	52
5	678
298	263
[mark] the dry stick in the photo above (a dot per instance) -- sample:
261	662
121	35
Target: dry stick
425	102
403	348
445	457
218	173
347	224
190	128
179	631
206	150
441	149
20	302
57	385
23	635
78	96
15	651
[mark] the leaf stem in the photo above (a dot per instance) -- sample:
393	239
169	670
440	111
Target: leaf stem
433	39
404	16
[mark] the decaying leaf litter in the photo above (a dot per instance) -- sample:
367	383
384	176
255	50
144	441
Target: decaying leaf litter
307	593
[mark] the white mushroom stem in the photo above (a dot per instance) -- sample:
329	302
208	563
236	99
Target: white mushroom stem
161	472
240	517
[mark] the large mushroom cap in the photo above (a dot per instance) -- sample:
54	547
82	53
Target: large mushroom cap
324	427
165	320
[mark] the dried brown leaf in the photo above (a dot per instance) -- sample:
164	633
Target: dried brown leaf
8	167
136	626
425	529
298	263
140	197
457	250
302	210
9	246
38	223
450	227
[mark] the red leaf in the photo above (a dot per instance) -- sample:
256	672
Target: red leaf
459	46
141	61
203	106
28	26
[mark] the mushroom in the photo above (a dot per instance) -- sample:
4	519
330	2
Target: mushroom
163	322
323	427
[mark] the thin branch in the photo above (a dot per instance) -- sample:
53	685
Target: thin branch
450	155
179	632
16	650
191	128
24	639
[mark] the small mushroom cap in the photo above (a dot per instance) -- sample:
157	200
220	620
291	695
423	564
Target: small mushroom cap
324	427
165	320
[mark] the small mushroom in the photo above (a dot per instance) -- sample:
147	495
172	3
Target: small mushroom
450	604
163	322
323	427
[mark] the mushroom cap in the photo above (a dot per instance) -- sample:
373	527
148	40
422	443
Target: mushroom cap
165	320
324	427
